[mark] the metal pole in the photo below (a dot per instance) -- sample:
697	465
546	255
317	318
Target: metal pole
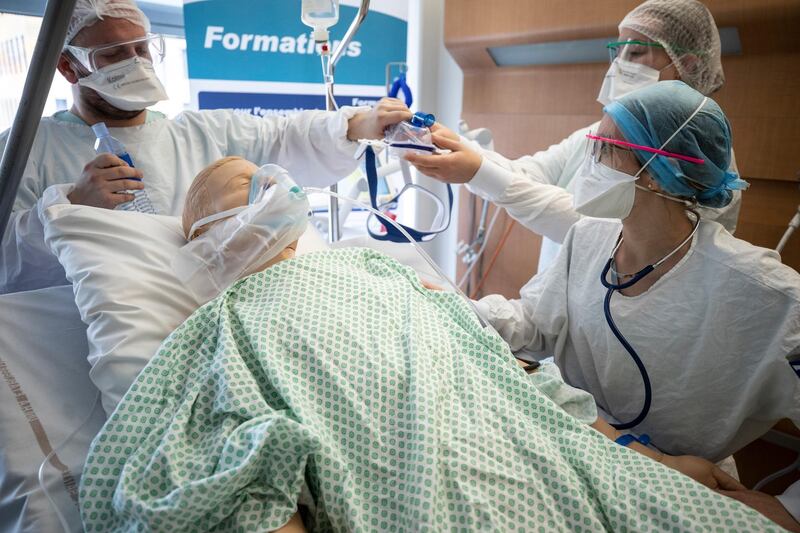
334	230
49	44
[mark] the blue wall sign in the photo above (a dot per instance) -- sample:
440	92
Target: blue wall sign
264	43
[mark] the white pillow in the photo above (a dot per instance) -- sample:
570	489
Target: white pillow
119	263
45	395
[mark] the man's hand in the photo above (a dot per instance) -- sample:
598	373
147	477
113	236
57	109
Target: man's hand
767	505
103	181
370	124
702	471
459	166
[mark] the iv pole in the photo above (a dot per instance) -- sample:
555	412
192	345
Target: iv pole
334	230
49	43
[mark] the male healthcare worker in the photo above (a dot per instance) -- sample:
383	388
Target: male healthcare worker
659	40
107	58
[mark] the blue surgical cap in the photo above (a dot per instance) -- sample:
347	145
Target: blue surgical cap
649	116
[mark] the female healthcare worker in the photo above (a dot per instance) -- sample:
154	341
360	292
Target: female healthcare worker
713	320
660	39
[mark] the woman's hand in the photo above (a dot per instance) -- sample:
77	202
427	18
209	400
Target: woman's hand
459	166
444	131
702	471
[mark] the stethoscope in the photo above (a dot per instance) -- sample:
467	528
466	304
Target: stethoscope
613	287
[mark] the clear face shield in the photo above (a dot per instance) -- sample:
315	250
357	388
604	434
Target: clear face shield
150	47
635	51
601	151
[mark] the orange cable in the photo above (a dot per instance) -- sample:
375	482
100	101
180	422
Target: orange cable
496	254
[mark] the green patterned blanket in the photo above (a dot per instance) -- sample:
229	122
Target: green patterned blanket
336	382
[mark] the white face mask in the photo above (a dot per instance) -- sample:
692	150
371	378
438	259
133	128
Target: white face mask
603	192
623	77
130	85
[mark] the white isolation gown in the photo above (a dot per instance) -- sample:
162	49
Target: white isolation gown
716	334
536	190
312	145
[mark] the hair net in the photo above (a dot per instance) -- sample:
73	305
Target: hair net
682	27
649	116
87	12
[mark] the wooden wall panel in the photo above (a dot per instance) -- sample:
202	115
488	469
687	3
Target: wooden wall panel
767	208
530	108
529	21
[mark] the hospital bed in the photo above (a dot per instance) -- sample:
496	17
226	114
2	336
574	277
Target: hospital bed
49	406
48	403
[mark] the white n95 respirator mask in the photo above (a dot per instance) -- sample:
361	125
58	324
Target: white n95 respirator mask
623	77
246	237
130	85
603	192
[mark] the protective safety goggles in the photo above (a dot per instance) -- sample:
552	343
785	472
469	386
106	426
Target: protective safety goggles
632	50
599	150
150	47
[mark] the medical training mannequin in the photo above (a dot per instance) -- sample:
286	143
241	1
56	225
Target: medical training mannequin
300	362
107	39
223	185
715	322
681	41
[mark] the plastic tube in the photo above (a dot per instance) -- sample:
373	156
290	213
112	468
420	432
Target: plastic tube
327	77
793	225
40	474
465	276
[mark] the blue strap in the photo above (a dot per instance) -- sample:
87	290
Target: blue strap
795	366
393	234
399	84
627	439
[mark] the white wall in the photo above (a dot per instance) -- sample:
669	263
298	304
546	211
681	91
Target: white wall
437	83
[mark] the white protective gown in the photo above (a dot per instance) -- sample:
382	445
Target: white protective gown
312	145
716	334
536	190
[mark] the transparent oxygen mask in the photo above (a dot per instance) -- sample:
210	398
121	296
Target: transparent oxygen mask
412	136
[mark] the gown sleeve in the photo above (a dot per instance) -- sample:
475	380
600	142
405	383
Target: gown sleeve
311	145
537	321
528	187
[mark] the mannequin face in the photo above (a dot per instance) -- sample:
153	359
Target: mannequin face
228	185
223	185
